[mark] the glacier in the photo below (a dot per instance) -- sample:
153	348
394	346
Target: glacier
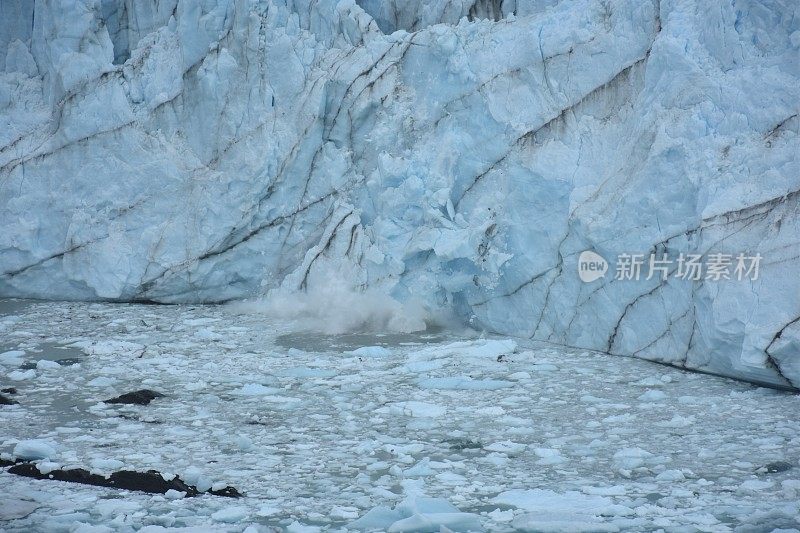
461	153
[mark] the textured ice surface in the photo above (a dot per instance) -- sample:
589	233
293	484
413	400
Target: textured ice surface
202	151
335	439
34	449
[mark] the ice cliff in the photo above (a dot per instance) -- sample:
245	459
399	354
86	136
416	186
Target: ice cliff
462	152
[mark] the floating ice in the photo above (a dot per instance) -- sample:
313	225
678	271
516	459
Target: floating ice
414	409
21	375
371	351
35	449
12	357
652	396
360	434
569	511
463	383
418	514
231	514
255	389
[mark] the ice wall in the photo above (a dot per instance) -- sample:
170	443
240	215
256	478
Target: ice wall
459	152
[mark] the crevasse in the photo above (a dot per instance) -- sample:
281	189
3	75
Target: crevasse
459	153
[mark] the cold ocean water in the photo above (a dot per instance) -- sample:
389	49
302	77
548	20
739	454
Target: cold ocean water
404	431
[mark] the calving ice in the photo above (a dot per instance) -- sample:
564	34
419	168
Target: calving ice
458	157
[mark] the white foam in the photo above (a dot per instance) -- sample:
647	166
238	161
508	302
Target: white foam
335	309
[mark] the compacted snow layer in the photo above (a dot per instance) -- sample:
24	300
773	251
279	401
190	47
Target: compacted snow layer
201	151
378	432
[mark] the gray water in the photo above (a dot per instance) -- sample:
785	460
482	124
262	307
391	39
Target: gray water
320	342
12	306
51	351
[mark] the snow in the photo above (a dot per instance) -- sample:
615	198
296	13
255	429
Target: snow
338	438
455	167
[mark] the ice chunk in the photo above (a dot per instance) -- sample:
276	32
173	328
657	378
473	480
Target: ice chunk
266	510
557	523
549	456
21	375
552	511
652	395
297	527
35	449
380	517
16	508
102	381
107	464
614	490
12	357
463	383
208	334
194	476
418	514
437	522
754	485
44	364
541	501
306	372
231	514
255	389
414	409
506	446
631	458
421	469
670	475
109	347
371	351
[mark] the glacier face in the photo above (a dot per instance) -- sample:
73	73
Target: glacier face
463	152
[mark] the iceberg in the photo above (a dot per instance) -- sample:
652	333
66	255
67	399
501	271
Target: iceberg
417	514
463	154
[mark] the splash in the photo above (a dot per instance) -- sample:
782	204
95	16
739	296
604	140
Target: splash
335	309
